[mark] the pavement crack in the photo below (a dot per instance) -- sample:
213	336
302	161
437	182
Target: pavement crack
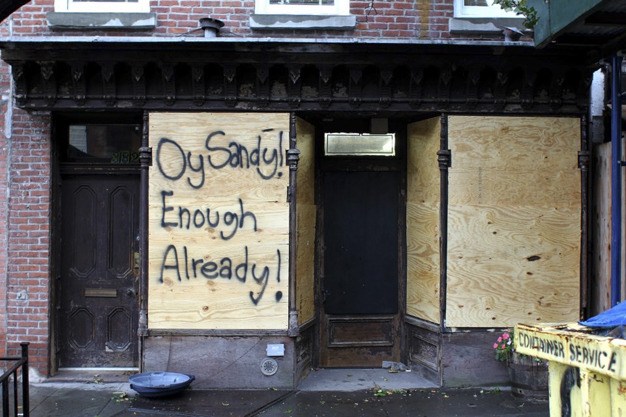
270	404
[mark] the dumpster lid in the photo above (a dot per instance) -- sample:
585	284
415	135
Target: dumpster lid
613	317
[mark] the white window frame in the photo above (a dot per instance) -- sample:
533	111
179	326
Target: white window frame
141	6
492	11
339	8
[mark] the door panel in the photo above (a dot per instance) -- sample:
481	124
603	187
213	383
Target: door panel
98	283
360	282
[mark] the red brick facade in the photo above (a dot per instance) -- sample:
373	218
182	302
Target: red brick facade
28	249
411	19
4	181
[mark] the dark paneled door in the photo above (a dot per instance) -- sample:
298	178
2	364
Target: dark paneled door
360	278
99	271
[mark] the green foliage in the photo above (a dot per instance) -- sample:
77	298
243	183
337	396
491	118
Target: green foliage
521	8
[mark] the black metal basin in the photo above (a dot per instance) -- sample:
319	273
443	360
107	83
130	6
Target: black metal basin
160	384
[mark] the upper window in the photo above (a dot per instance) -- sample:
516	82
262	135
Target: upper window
479	8
303	7
106	143
102	6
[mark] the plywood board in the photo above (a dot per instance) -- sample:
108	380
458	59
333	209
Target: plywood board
423	232
601	225
513	221
306	221
218	221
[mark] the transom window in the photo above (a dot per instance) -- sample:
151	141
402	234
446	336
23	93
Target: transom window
103	143
480	8
102	6
303	7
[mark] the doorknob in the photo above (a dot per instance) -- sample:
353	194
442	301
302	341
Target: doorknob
131	292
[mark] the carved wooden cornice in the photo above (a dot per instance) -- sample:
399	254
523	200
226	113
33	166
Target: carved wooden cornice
302	77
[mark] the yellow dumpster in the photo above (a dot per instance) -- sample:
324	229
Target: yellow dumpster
587	371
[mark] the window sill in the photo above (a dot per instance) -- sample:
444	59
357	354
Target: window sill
100	21
484	25
303	22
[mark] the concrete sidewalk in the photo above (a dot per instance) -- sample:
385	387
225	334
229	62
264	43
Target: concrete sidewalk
351	393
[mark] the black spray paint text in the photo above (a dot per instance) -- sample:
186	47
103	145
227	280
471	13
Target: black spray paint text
179	264
186	218
265	157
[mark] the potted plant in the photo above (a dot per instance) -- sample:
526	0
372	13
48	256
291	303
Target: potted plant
528	375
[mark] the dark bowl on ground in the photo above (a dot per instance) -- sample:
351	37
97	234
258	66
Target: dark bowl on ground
160	384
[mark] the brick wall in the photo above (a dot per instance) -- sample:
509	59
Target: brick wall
380	19
4	181
27	272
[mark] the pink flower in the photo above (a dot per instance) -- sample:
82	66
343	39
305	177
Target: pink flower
500	340
495	346
505	336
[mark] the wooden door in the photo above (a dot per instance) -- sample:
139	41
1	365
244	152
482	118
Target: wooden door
360	274
99	271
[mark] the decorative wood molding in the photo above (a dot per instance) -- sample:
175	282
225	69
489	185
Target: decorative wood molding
312	78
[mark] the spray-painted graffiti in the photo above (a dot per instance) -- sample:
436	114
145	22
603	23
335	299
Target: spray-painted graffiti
202	241
219	152
201	218
182	265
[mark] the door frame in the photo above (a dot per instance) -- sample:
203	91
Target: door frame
60	122
397	163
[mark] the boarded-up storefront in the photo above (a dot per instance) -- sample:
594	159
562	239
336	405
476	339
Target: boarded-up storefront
478	255
257	251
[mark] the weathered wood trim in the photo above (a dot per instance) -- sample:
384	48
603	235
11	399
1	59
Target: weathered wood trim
293	156
233	333
584	161
145	158
414	321
306	325
306	77
445	161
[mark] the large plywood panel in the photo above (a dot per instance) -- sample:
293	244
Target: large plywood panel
218	221
423	230
513	221
306	219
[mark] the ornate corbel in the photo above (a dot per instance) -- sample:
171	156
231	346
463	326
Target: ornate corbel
230	84
107	71
79	83
416	88
386	75
294	86
325	86
262	84
17	72
49	80
198	84
354	88
139	81
169	82
502	79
